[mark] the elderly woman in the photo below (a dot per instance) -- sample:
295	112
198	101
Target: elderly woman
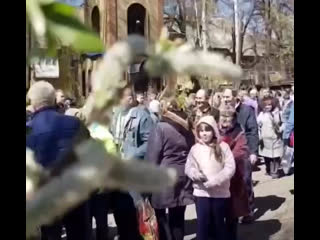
232	134
271	143
168	146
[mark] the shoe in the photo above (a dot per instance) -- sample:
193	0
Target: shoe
247	219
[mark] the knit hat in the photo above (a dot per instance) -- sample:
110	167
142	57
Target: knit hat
154	106
227	110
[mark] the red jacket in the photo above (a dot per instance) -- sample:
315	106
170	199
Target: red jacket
239	196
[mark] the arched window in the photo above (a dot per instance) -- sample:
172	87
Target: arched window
95	19
136	19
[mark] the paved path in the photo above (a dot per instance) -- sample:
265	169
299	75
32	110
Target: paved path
275	215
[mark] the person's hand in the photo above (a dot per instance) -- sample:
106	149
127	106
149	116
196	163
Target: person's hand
199	177
253	159
209	184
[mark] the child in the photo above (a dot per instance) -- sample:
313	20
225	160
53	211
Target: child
210	165
271	143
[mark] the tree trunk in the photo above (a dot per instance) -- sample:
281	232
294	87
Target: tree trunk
68	74
268	40
204	25
237	31
238	48
197	22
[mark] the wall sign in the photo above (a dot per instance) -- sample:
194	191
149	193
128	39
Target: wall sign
46	68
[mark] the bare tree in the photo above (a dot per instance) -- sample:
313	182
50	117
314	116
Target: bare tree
204	37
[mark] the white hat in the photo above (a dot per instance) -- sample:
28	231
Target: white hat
154	106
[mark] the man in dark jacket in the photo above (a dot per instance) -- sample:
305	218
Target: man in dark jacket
51	138
247	119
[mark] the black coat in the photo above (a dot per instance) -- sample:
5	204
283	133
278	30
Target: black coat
247	119
168	146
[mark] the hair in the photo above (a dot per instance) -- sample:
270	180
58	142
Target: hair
279	94
169	104
42	94
233	91
192	95
264	100
59	90
139	93
123	90
206	92
214	141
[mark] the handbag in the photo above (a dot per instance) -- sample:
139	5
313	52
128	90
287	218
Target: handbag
148	225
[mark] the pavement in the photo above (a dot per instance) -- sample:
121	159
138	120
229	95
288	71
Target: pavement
274	201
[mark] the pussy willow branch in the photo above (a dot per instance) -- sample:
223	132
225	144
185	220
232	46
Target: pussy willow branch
108	80
95	169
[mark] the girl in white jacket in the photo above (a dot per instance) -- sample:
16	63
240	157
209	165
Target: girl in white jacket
210	165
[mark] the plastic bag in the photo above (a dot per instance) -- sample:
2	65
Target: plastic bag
148	225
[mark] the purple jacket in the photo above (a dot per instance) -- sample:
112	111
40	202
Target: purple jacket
252	103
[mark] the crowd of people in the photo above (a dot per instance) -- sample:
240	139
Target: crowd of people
213	142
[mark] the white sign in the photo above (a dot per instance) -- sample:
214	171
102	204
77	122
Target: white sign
47	68
74	3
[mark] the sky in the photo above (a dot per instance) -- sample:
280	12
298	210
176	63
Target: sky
74	3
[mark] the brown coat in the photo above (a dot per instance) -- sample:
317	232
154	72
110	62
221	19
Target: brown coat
168	146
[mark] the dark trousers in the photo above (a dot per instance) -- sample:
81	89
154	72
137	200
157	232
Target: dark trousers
249	185
232	228
171	228
211	214
99	210
124	212
77	223
272	166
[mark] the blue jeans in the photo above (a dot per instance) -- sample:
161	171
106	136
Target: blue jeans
211	214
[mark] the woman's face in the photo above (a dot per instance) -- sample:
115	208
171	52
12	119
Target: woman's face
268	106
226	121
206	133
